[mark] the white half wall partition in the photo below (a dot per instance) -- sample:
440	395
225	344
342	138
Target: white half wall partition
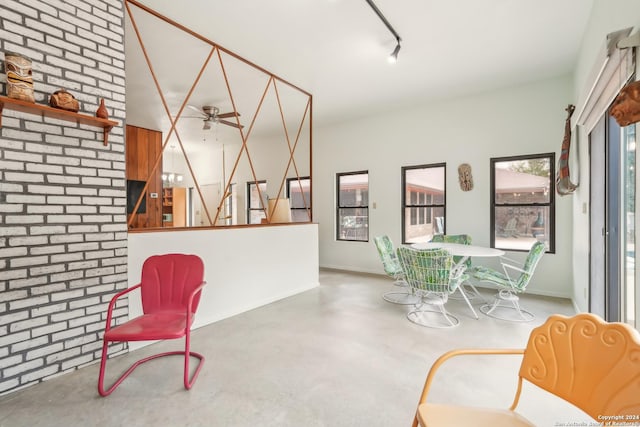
245	268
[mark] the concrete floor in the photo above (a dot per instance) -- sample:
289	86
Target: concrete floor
334	356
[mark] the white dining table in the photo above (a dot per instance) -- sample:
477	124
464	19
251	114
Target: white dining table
460	250
464	252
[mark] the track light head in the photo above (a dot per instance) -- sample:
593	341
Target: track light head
393	58
394	55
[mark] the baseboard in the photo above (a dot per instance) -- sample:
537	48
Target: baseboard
477	285
350	269
253	305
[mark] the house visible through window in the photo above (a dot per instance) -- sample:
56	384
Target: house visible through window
423	202
523	201
352	221
299	194
255	205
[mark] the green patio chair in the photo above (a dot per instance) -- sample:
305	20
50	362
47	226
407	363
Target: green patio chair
432	276
393	269
514	281
467	294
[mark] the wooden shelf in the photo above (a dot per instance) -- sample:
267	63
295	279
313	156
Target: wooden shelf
56	113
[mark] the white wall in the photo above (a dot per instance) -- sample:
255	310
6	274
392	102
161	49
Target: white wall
244	267
607	16
520	120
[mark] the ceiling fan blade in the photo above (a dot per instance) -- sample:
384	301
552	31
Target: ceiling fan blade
228	115
228	123
202	113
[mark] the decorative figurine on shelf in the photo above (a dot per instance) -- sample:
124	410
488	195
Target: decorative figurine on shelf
19	77
626	107
464	176
64	100
102	112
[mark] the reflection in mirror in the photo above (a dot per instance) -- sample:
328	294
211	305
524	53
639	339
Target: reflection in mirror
206	126
299	194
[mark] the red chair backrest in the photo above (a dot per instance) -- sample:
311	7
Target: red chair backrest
168	280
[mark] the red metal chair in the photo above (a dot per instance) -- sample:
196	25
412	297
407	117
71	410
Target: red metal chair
170	288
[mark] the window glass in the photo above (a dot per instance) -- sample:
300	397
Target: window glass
256	201
523	201
353	206
299	193
423	202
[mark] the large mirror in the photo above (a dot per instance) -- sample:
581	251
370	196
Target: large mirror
212	139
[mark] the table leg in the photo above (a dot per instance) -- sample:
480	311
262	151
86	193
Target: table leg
461	265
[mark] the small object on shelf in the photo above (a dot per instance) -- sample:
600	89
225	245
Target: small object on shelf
102	112
19	77
626	107
64	100
7	103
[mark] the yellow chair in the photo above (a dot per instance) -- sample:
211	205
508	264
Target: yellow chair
590	363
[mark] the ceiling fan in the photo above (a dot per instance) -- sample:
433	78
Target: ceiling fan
210	114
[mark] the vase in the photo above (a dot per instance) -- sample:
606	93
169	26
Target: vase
102	112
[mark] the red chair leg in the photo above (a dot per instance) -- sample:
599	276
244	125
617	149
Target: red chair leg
103	365
188	383
187	344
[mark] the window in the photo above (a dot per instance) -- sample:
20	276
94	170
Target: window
353	206
255	204
523	201
299	194
423	202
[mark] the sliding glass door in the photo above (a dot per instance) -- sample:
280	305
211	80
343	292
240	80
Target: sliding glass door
629	292
613	277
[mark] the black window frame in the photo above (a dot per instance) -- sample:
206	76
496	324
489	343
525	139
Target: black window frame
294	181
551	204
340	207
428	203
263	195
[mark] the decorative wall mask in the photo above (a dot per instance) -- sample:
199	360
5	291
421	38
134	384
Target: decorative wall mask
626	107
465	178
564	186
19	77
64	100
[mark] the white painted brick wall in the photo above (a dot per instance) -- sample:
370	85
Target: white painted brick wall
63	242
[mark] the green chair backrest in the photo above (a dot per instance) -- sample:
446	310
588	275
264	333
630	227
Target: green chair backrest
462	239
530	263
388	256
428	269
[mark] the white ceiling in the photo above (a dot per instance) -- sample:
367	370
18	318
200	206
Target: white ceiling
337	49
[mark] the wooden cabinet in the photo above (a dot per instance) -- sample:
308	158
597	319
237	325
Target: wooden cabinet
174	207
143	148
